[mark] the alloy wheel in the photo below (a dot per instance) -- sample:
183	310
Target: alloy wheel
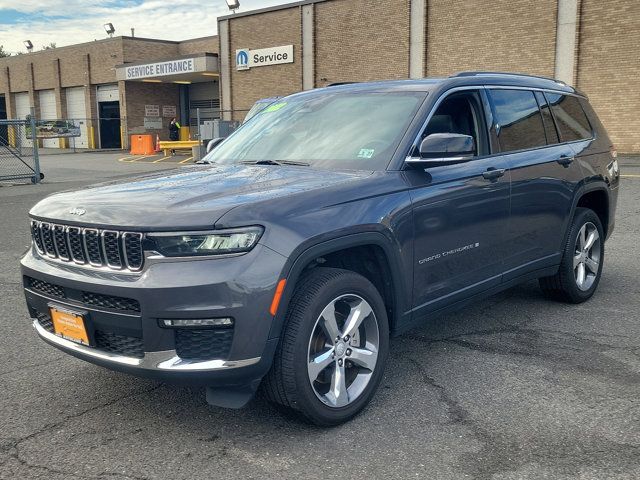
343	350
586	259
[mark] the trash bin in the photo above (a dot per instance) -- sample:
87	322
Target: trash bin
142	145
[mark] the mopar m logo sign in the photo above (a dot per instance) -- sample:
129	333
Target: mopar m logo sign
242	59
246	59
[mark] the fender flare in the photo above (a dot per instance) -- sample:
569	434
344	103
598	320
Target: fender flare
598	185
310	250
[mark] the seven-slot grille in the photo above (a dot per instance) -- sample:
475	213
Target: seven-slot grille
99	248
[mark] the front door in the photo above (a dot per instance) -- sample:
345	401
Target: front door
460	212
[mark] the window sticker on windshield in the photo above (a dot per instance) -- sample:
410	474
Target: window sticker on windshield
366	153
275	107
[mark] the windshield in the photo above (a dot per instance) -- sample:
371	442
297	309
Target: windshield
337	130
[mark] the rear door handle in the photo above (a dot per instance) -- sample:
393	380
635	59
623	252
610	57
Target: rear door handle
565	160
493	173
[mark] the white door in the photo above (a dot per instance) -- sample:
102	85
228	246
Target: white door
48	111
23	108
77	112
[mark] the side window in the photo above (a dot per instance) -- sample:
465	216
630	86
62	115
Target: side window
519	119
570	118
461	113
549	126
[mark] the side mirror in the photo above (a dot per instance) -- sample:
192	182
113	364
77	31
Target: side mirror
214	143
439	149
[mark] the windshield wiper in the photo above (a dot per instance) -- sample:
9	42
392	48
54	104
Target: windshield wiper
273	162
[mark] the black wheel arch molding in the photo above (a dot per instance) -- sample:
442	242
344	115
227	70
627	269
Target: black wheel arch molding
334	242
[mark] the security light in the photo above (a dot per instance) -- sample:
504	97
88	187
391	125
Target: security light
28	44
108	27
233	4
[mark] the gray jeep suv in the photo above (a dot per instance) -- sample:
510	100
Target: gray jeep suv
328	222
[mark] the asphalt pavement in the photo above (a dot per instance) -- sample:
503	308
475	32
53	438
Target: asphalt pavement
515	387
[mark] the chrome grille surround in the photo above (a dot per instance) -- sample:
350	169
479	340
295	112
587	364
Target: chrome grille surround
110	249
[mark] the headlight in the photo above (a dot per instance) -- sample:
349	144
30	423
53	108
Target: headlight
206	243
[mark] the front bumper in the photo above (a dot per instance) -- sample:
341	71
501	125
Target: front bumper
240	287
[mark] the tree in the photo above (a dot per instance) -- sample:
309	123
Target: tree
49	47
3	52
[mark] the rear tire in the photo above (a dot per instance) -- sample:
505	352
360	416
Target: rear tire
333	348
582	261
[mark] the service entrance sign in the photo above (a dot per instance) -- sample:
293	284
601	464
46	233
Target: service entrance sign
246	59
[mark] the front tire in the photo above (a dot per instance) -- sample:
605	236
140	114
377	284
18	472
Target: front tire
333	348
582	261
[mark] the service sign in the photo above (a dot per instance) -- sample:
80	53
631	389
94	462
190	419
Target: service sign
246	59
161	69
168	111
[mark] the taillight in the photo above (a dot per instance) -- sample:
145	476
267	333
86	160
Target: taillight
613	151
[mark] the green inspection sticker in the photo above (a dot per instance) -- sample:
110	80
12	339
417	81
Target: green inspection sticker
275	107
366	153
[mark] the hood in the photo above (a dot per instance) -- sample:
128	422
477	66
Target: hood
192	197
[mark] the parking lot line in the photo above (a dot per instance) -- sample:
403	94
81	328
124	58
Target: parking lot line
186	160
630	175
134	158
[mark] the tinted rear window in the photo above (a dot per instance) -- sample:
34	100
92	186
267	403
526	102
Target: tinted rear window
519	119
570	118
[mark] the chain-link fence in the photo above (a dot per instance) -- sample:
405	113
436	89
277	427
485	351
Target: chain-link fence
19	159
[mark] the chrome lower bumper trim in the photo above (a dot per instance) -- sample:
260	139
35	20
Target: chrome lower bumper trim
166	360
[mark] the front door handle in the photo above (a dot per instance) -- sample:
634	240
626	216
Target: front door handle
565	160
493	173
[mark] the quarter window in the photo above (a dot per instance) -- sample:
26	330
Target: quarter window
571	120
519	118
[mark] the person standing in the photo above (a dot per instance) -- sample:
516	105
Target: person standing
174	132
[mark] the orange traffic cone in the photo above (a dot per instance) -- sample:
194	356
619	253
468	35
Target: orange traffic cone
157	149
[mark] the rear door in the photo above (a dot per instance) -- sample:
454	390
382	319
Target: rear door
460	212
544	176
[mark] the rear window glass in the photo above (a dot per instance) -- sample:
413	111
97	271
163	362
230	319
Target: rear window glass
570	117
519	119
549	127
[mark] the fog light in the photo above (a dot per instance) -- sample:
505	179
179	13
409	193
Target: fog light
198	322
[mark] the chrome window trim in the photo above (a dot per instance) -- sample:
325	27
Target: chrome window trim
441	98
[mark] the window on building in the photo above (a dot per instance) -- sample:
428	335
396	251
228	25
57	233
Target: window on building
549	126
519	118
570	117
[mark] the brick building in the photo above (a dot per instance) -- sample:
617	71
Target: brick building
97	85
276	51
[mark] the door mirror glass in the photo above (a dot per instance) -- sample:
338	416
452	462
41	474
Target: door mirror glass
444	149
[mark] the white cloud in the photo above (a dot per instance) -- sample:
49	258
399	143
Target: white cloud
168	20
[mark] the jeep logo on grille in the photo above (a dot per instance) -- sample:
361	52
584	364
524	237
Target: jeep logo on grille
77	211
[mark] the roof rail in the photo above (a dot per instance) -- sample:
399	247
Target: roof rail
479	74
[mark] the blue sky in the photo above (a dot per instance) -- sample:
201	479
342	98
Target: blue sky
65	22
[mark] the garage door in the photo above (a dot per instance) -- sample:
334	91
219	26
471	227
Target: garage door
77	111
48	112
23	108
108	93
